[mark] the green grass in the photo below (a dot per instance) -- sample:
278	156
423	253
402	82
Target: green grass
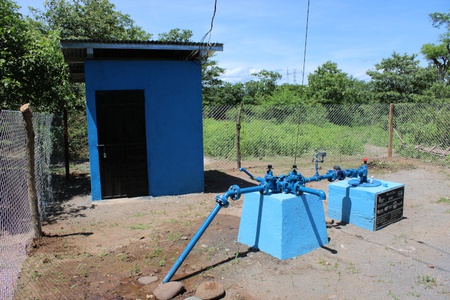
154	254
445	200
172	236
267	138
138	215
140	227
426	280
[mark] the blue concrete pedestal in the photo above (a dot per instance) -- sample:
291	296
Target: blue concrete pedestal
371	208
283	225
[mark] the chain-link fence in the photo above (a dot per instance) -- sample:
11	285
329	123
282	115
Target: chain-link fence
284	135
253	135
16	228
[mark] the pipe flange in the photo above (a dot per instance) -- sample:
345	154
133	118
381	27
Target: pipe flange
297	189
237	192
222	202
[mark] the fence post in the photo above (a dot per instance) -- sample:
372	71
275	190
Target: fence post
391	129
66	143
31	175
238	136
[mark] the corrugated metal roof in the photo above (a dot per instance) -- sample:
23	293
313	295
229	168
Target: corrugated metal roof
77	51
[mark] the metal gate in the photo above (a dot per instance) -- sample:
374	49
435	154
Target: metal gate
122	143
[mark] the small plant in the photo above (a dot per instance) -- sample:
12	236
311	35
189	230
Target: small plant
186	223
140	227
162	212
402	237
393	296
136	270
426	280
414	294
321	261
162	261
154	254
138	215
84	269
236	259
35	274
351	268
336	266
445	200
122	256
174	236
104	254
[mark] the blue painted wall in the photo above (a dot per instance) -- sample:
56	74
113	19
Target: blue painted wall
173	110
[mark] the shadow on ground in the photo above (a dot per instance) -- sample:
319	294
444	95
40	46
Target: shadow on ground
219	182
64	190
79	186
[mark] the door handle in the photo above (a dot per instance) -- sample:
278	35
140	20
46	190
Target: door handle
104	149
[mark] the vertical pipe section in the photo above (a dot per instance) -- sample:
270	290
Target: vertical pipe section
192	243
391	129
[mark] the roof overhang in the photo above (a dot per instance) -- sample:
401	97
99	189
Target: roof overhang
76	52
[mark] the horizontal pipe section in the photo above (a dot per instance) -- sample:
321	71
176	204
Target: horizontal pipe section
308	190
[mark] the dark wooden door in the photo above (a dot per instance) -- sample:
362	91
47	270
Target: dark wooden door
122	143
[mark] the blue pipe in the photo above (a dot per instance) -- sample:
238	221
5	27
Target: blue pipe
295	184
192	243
331	175
247	172
222	201
304	189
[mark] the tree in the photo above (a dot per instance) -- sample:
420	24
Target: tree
288	94
267	81
259	91
330	85
439	54
32	65
441	19
400	79
231	94
438	92
176	35
87	19
211	83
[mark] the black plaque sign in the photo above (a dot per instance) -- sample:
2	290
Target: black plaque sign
389	207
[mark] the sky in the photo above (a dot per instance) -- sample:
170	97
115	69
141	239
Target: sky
270	35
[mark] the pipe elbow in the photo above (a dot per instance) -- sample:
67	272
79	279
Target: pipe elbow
321	194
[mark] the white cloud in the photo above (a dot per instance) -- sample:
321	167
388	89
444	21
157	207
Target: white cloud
237	74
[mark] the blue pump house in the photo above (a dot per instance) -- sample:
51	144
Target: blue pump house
144	115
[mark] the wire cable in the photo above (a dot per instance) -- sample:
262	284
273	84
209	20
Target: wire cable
204	58
306	43
212	25
303	75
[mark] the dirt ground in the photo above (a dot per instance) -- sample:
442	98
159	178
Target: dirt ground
99	250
